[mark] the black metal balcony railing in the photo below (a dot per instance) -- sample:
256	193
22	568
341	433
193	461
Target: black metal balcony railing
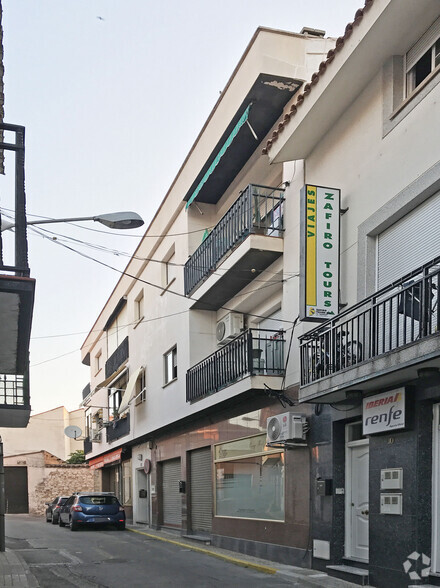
14	390
118	428
21	266
253	352
88	446
117	358
402	313
259	209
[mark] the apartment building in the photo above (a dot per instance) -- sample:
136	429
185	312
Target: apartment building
191	356
366	128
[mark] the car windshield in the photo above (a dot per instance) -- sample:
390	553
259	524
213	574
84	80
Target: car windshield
98	499
62	501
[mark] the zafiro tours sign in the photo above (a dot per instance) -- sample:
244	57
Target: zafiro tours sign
320	208
384	412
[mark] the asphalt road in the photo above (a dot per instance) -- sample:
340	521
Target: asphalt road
108	558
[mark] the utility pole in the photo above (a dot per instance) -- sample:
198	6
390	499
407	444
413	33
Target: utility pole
2	500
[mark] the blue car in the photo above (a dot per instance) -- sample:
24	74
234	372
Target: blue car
92	508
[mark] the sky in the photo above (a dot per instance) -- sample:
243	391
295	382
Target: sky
113	94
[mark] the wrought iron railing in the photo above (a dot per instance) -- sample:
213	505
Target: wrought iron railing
402	313
14	391
20	267
259	209
254	352
117	358
88	446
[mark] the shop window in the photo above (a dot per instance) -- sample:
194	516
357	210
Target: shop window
249	480
126	483
170	365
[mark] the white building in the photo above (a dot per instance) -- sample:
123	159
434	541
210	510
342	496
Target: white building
191	357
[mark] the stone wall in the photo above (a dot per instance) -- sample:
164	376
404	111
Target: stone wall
57	480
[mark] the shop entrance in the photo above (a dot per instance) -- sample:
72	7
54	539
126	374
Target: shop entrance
356	493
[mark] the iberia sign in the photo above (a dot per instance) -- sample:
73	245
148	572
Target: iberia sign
384	412
320	208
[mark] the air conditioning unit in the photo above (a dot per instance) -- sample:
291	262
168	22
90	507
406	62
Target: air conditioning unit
96	436
229	327
286	427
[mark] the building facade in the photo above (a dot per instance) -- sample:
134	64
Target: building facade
191	356
366	127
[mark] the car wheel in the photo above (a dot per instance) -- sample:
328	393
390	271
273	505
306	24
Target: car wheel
73	526
54	520
60	522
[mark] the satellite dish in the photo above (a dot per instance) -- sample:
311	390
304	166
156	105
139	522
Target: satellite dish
73	432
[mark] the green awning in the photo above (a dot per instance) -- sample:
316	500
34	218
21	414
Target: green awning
219	155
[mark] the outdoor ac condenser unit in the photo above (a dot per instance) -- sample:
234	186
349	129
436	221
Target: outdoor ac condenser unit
96	436
286	427
228	327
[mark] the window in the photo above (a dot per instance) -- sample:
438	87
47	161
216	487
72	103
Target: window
423	58
139	307
115	394
170	365
169	271
98	362
88	425
141	389
249	480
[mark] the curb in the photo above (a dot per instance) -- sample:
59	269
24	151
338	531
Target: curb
233	560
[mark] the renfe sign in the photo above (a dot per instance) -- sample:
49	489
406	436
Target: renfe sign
384	412
319	252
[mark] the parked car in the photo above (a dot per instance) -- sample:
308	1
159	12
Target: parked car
53	509
92	508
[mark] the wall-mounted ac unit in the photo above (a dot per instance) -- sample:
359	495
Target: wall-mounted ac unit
286	427
96	436
228	327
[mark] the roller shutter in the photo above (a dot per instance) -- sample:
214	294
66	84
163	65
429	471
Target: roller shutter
172	501
411	242
201	490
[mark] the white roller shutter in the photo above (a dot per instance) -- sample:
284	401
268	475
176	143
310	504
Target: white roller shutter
201	490
171	497
411	242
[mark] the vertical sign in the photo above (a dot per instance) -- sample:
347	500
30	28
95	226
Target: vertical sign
319	252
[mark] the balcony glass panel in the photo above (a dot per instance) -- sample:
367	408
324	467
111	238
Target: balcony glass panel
402	313
259	209
254	352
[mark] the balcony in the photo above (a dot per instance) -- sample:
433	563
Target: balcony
255	217
118	428
381	341
254	352
88	445
16	297
117	358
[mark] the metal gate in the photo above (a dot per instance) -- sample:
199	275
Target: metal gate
16	489
201	490
172	501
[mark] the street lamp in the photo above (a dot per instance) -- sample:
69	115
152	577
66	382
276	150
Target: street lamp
113	220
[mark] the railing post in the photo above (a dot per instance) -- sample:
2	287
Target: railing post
250	363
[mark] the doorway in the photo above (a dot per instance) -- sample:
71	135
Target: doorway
356	493
143	497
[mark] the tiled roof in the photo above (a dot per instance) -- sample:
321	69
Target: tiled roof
340	41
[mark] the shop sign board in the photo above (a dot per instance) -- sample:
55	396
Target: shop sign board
384	412
99	462
319	284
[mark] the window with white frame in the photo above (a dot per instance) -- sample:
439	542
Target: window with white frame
141	388
170	365
139	306
249	479
115	393
423	58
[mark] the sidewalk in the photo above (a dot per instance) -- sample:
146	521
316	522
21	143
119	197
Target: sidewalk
15	572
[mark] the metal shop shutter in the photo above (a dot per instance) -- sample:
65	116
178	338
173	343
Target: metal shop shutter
201	490
409	243
172	501
16	489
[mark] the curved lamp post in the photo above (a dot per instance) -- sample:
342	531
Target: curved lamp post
113	220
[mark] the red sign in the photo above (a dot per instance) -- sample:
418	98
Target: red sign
102	460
